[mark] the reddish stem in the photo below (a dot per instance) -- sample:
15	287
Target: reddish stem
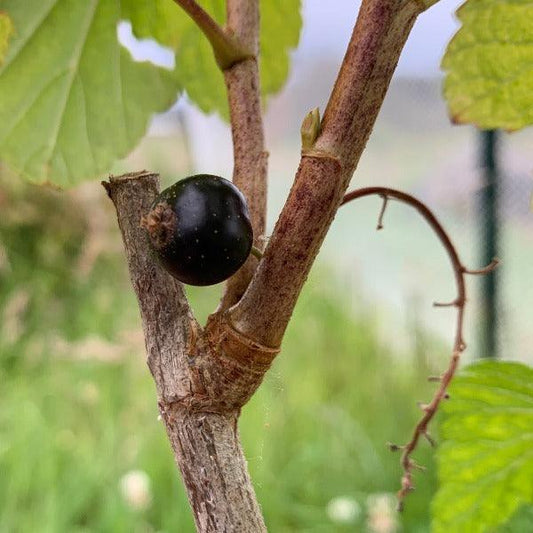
408	464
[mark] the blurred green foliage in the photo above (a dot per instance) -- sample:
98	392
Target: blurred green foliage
78	407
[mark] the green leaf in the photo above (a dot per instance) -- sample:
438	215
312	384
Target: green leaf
6	31
521	521
161	20
489	65
199	73
280	31
195	65
196	68
72	100
486	459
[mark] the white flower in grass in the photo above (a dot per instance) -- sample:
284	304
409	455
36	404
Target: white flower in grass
343	510
135	489
381	513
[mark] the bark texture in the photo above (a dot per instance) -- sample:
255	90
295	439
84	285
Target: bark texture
213	467
203	376
249	154
325	171
166	318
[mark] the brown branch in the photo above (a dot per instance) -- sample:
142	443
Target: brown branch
161	298
249	153
485	270
325	170
382	212
236	48
203	377
432	221
421	429
227	49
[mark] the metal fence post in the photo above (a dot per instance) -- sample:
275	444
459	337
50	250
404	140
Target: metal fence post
489	222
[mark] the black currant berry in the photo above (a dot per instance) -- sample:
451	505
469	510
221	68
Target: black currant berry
200	229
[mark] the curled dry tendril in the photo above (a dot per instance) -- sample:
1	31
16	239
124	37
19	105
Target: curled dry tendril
459	345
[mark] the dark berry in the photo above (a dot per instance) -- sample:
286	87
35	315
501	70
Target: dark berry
200	229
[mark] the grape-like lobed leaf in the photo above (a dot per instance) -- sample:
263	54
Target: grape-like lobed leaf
195	66
486	459
489	65
72	100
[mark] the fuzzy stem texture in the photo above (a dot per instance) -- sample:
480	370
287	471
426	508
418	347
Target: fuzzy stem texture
214	470
200	379
205	376
379	35
226	49
249	154
459	345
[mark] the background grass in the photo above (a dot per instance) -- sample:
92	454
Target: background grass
78	407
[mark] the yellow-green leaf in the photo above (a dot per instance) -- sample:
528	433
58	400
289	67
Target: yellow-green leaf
72	100
486	459
6	30
489	65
